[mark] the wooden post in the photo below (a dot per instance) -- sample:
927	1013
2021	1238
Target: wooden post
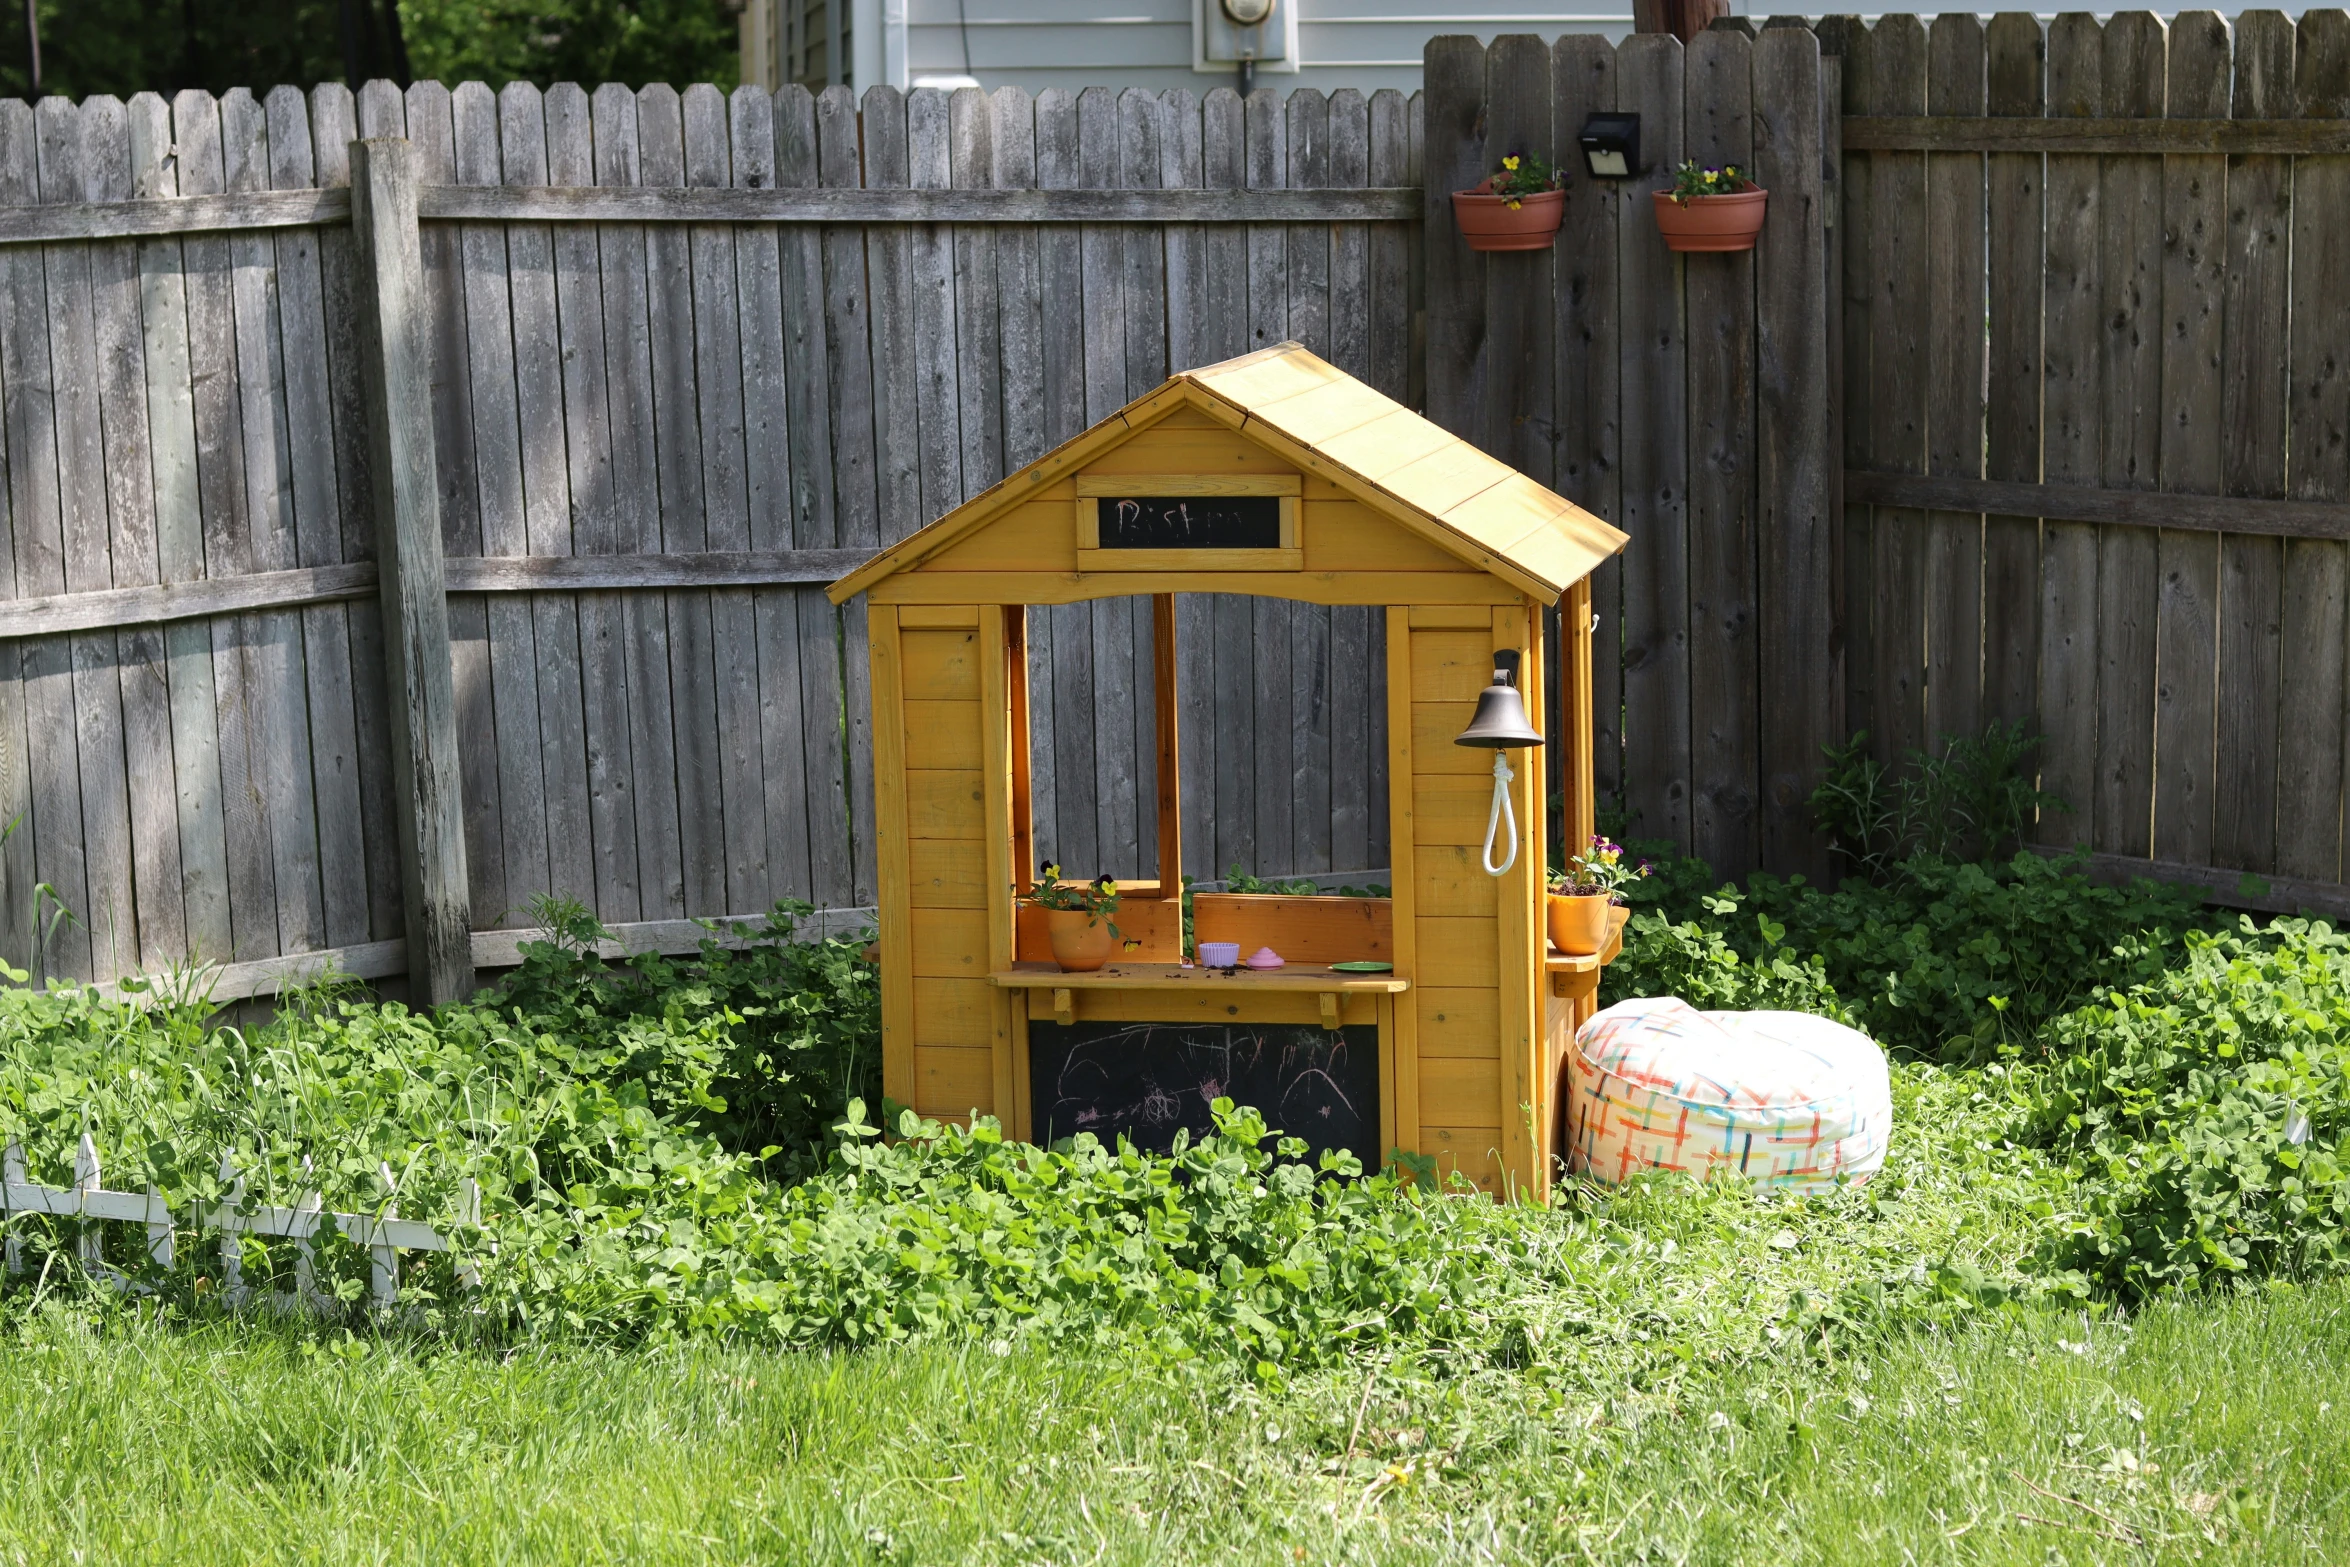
398	387
1170	784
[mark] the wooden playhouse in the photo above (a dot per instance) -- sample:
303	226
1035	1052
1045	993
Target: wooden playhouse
1270	474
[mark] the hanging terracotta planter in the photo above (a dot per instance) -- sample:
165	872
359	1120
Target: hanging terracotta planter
1712	223
1490	222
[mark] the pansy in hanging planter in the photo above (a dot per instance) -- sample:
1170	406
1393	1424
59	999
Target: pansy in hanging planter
1711	209
1519	207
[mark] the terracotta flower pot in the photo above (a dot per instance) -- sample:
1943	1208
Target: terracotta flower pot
1489	222
1712	222
1577	924
1081	942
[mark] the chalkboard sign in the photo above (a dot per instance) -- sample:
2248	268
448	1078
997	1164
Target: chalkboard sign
1190	522
1144	1080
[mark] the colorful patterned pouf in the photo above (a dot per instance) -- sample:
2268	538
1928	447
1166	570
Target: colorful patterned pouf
1783	1099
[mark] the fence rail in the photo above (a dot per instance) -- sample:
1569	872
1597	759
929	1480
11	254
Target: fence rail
65	222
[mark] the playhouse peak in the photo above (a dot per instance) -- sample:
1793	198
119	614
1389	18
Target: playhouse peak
1278	423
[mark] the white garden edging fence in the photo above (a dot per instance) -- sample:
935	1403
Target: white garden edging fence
384	1235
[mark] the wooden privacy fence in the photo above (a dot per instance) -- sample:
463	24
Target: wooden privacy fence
2074	304
588	392
1689	400
2096	319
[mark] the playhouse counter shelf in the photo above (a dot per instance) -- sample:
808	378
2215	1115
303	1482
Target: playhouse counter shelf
1236	987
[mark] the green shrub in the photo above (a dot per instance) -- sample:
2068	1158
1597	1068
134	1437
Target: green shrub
1218	1247
1692	959
619	1201
1951	959
2200	1113
799	1021
1971	802
1946	959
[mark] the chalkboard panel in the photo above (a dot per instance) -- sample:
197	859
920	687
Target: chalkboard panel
1191	522
1143	1080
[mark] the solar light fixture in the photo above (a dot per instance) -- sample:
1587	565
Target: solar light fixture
1611	145
1501	725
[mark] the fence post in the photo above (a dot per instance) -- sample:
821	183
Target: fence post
422	691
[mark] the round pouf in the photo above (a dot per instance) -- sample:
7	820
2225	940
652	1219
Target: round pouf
1783	1099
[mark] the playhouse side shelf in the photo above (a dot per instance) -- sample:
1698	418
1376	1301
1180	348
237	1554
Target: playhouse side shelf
1174	976
1573	976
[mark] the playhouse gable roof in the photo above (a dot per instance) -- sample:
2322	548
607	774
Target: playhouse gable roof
1325	422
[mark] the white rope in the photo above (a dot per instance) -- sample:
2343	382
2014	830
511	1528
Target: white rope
1502	809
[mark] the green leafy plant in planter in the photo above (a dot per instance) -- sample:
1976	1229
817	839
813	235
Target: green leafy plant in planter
1521	177
1079	944
1575	914
1690	179
1096	899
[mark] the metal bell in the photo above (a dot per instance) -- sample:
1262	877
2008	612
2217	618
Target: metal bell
1501	722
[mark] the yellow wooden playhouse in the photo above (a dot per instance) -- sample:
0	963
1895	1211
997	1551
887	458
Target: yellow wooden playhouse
1275	474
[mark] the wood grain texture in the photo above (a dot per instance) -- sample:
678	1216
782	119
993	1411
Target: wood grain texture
2113	508
1272	757
1653	421
515	804
431	128
226	547
2072	401
318	449
2254	334
600	633
644	620
179	543
1586	360
2111	133
2016	185
1952	577
823	837
1896	398
2194	266
2130	347
2312	692
549	508
1724	711
429	784
1854	302
1799	689
894	204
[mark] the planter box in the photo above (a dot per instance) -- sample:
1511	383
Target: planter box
1489	222
1712	222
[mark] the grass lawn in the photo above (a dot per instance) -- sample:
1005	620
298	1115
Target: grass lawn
1680	1384
2211	1431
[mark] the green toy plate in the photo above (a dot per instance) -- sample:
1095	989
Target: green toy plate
1364	968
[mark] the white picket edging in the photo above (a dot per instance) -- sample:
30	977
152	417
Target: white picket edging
385	1235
